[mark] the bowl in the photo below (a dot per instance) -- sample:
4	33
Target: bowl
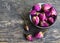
43	27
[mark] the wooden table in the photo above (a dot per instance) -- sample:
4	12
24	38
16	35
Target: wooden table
11	24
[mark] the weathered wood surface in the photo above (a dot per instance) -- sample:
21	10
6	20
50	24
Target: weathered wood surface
11	24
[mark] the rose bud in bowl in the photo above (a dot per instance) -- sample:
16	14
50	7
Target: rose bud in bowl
51	19
37	7
44	24
53	11
33	12
43	15
46	6
35	20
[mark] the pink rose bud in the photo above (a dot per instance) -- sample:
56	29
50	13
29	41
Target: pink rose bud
47	13
46	7
51	20
53	11
35	20
42	16
44	24
29	37
37	7
39	35
33	12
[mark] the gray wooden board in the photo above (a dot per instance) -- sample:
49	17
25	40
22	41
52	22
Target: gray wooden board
11	23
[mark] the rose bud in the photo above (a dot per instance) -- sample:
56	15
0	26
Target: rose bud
29	37
33	12
39	35
37	13
26	27
47	13
53	11
37	7
44	24
35	20
51	20
42	16
46	7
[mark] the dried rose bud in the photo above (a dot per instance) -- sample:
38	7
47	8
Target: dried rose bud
39	35
51	20
46	7
29	37
35	20
26	27
53	11
47	13
33	12
44	24
37	7
42	16
37	13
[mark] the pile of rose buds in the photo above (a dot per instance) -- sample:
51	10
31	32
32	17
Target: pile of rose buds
43	15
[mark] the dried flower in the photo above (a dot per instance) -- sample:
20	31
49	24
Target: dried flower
44	24
35	20
39	35
33	12
26	27
29	37
47	6
42	16
37	7
51	20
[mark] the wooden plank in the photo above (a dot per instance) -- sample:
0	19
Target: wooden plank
3	42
